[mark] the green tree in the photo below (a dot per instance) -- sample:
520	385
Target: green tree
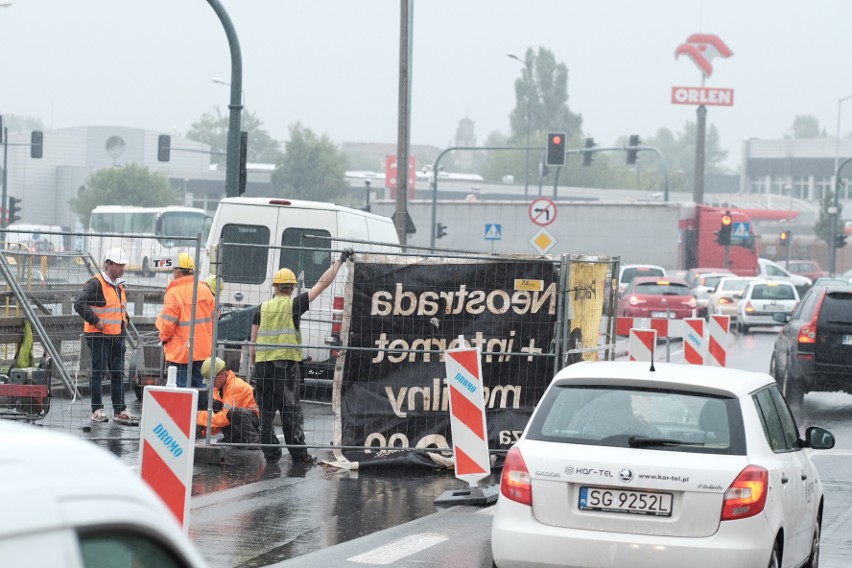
128	185
213	130
822	227
806	126
312	168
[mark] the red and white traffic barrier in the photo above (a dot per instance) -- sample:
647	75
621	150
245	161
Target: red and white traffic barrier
693	341
717	345
641	345
665	327
167	448
467	414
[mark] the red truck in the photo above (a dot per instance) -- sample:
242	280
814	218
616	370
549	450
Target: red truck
700	246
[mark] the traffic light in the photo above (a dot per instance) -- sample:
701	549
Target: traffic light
723	235
555	149
164	148
36	143
587	156
840	240
784	238
14	210
241	189
440	230
631	154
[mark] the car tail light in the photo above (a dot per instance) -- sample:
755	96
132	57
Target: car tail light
807	333
746	496
337	315
692	302
725	301
749	308
515	481
635	301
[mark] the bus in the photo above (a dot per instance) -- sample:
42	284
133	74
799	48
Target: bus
152	233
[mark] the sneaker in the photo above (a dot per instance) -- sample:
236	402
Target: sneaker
124	417
99	416
306	459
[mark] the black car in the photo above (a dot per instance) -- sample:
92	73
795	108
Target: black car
813	352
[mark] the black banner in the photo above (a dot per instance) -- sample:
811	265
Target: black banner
394	394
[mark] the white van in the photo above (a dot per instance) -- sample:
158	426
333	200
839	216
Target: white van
34	238
313	234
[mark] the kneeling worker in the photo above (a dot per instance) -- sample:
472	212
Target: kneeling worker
235	412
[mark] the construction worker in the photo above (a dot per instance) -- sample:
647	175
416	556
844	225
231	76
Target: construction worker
103	307
175	324
235	412
274	350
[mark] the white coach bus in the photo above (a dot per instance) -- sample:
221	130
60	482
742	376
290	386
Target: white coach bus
146	233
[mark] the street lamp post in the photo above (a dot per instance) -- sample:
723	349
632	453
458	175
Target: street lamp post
529	120
832	249
219	81
789	188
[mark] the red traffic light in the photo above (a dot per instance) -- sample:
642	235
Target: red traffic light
556	139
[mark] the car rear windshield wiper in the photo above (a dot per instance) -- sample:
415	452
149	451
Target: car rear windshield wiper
644	441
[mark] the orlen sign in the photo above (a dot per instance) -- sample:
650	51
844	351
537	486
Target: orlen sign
702	96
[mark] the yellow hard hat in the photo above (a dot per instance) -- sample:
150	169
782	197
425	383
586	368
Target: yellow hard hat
211	281
284	276
205	367
185	261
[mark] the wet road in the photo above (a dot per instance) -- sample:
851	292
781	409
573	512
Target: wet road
249	514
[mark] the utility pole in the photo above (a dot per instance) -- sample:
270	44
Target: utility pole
400	217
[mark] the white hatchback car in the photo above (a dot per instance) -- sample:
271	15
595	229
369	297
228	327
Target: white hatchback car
721	299
760	299
628	272
622	464
71	504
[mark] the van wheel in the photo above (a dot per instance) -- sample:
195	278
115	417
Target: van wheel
813	559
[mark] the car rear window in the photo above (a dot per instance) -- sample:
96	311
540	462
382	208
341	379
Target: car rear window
661	288
734	285
631	273
667	420
710	281
768	292
837	307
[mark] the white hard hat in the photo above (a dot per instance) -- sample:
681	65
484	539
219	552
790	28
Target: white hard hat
116	255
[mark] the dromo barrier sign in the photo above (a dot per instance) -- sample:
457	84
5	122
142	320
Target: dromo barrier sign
167	444
467	426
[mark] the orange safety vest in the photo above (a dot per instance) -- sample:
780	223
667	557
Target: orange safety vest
114	311
175	321
236	393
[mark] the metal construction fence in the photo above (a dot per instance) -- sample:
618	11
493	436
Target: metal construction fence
373	342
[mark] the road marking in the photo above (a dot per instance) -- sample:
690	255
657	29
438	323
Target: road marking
399	549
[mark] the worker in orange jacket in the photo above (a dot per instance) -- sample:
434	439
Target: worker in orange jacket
175	324
235	412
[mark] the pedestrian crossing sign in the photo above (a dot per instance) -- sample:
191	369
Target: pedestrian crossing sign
493	232
741	230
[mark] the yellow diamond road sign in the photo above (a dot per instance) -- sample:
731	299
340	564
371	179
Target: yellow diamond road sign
542	241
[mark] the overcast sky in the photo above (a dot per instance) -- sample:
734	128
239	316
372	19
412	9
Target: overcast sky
333	64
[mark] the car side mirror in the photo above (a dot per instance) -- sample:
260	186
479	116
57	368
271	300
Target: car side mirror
819	438
738	297
781	318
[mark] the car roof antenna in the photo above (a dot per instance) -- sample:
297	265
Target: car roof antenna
652	369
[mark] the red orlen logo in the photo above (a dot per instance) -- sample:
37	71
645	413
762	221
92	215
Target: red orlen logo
702	48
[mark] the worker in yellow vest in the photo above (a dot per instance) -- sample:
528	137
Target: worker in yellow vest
276	353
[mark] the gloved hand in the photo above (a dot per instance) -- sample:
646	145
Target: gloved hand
217	405
347	254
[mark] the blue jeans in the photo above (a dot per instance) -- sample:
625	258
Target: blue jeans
197	380
107	361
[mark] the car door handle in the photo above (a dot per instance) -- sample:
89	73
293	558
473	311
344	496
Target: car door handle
804	476
784	478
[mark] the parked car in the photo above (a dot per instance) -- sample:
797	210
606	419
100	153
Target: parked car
701	287
628	272
832	281
77	505
724	299
769	270
672	466
761	300
651	297
807	268
813	351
